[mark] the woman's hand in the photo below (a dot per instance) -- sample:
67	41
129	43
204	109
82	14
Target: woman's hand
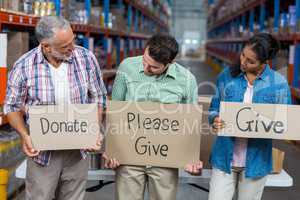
218	124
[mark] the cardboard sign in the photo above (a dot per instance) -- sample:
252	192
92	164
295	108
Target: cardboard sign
73	126
144	133
260	121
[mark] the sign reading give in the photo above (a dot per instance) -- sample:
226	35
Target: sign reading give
272	121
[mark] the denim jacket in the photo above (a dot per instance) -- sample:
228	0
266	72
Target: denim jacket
270	87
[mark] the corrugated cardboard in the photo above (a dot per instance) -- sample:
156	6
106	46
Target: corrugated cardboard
18	44
207	140
47	136
119	20
13	5
96	16
271	121
278	158
136	143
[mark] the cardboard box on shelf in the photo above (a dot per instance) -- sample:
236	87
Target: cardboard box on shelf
4	4
18	44
119	21
96	17
13	5
64	8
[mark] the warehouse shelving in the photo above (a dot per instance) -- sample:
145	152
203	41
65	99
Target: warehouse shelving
117	43
19	20
147	12
247	6
225	35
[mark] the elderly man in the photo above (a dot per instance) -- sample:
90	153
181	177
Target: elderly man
155	77
56	72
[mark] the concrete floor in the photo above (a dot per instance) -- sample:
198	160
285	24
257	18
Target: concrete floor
204	74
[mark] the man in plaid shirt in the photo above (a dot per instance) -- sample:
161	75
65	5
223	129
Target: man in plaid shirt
56	72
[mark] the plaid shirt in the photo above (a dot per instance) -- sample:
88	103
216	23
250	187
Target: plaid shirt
30	83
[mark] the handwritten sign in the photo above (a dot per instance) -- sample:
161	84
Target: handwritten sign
144	133
260	120
64	127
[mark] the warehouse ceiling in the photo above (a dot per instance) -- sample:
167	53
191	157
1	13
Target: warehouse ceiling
189	8
189	22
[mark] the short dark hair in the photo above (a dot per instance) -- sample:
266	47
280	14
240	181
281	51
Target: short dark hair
264	45
163	48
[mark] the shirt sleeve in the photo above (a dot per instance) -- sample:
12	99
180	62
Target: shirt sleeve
16	91
120	88
97	90
192	91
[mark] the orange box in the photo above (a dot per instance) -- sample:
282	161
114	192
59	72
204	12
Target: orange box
3	79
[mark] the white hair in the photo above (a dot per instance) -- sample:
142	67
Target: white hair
46	27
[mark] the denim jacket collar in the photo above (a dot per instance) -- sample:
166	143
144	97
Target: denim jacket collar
263	76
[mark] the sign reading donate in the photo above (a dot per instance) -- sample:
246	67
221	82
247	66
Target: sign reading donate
272	121
144	133
73	126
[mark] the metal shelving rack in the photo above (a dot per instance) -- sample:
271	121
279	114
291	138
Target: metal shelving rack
130	40
245	18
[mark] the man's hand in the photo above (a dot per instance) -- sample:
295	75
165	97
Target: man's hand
194	168
218	124
98	144
111	163
27	147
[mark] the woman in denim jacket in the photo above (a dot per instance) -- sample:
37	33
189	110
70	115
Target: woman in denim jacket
241	165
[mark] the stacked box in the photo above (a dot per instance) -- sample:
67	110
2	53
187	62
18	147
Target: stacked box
96	17
18	44
119	21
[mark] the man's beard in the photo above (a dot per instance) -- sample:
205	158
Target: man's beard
60	56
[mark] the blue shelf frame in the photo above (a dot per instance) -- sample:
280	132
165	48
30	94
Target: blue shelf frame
263	14
134	18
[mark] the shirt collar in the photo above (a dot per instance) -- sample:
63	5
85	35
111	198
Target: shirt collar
263	76
41	58
171	71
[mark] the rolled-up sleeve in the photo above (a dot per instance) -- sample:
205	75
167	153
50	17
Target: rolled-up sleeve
16	91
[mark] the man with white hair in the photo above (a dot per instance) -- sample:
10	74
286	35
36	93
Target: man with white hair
56	72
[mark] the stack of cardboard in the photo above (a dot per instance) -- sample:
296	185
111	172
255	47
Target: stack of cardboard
119	21
18	44
96	17
14	5
278	157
